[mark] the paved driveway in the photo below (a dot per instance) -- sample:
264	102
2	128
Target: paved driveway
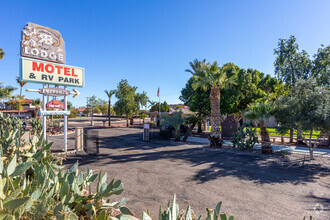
251	186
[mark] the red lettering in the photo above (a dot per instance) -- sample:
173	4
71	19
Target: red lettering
73	73
67	71
35	66
51	68
59	69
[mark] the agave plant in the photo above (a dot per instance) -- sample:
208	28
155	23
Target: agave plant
172	212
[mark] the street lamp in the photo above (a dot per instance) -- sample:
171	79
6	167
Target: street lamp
24	125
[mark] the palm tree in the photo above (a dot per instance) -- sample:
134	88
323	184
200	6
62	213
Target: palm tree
5	92
196	66
109	93
2	53
261	111
212	76
22	84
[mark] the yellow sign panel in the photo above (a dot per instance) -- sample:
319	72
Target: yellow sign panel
37	71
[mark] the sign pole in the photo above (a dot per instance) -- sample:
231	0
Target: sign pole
65	123
44	117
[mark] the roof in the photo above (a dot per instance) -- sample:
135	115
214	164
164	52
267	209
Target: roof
81	109
22	101
55	102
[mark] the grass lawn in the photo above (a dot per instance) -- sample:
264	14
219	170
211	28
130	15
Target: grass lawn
272	131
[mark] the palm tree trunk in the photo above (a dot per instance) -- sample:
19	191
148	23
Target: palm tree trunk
109	108
266	147
215	117
188	133
199	130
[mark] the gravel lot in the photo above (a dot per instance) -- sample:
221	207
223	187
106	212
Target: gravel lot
250	185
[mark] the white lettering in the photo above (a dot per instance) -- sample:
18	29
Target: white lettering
26	50
34	51
60	57
52	55
43	54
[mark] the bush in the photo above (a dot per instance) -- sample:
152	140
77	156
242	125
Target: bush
152	124
164	134
73	113
244	140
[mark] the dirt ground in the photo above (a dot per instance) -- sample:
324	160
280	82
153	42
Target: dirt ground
250	185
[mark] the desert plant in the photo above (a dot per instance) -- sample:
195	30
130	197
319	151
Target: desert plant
173	212
260	111
34	186
176	120
36	125
244	139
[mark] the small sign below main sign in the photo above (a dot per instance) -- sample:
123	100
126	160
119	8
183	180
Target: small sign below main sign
55	104
37	71
42	43
54	92
54	112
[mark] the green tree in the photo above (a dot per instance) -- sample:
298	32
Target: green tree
73	113
309	108
2	53
164	107
261	111
249	85
22	84
212	77
321	66
129	102
197	99
290	66
92	105
109	93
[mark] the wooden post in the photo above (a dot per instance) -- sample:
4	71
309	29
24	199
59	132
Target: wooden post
79	139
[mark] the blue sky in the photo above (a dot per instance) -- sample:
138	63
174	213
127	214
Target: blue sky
150	43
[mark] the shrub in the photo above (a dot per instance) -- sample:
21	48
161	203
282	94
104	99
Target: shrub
244	140
73	113
164	134
36	125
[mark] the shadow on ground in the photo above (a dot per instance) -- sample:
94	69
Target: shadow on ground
211	163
